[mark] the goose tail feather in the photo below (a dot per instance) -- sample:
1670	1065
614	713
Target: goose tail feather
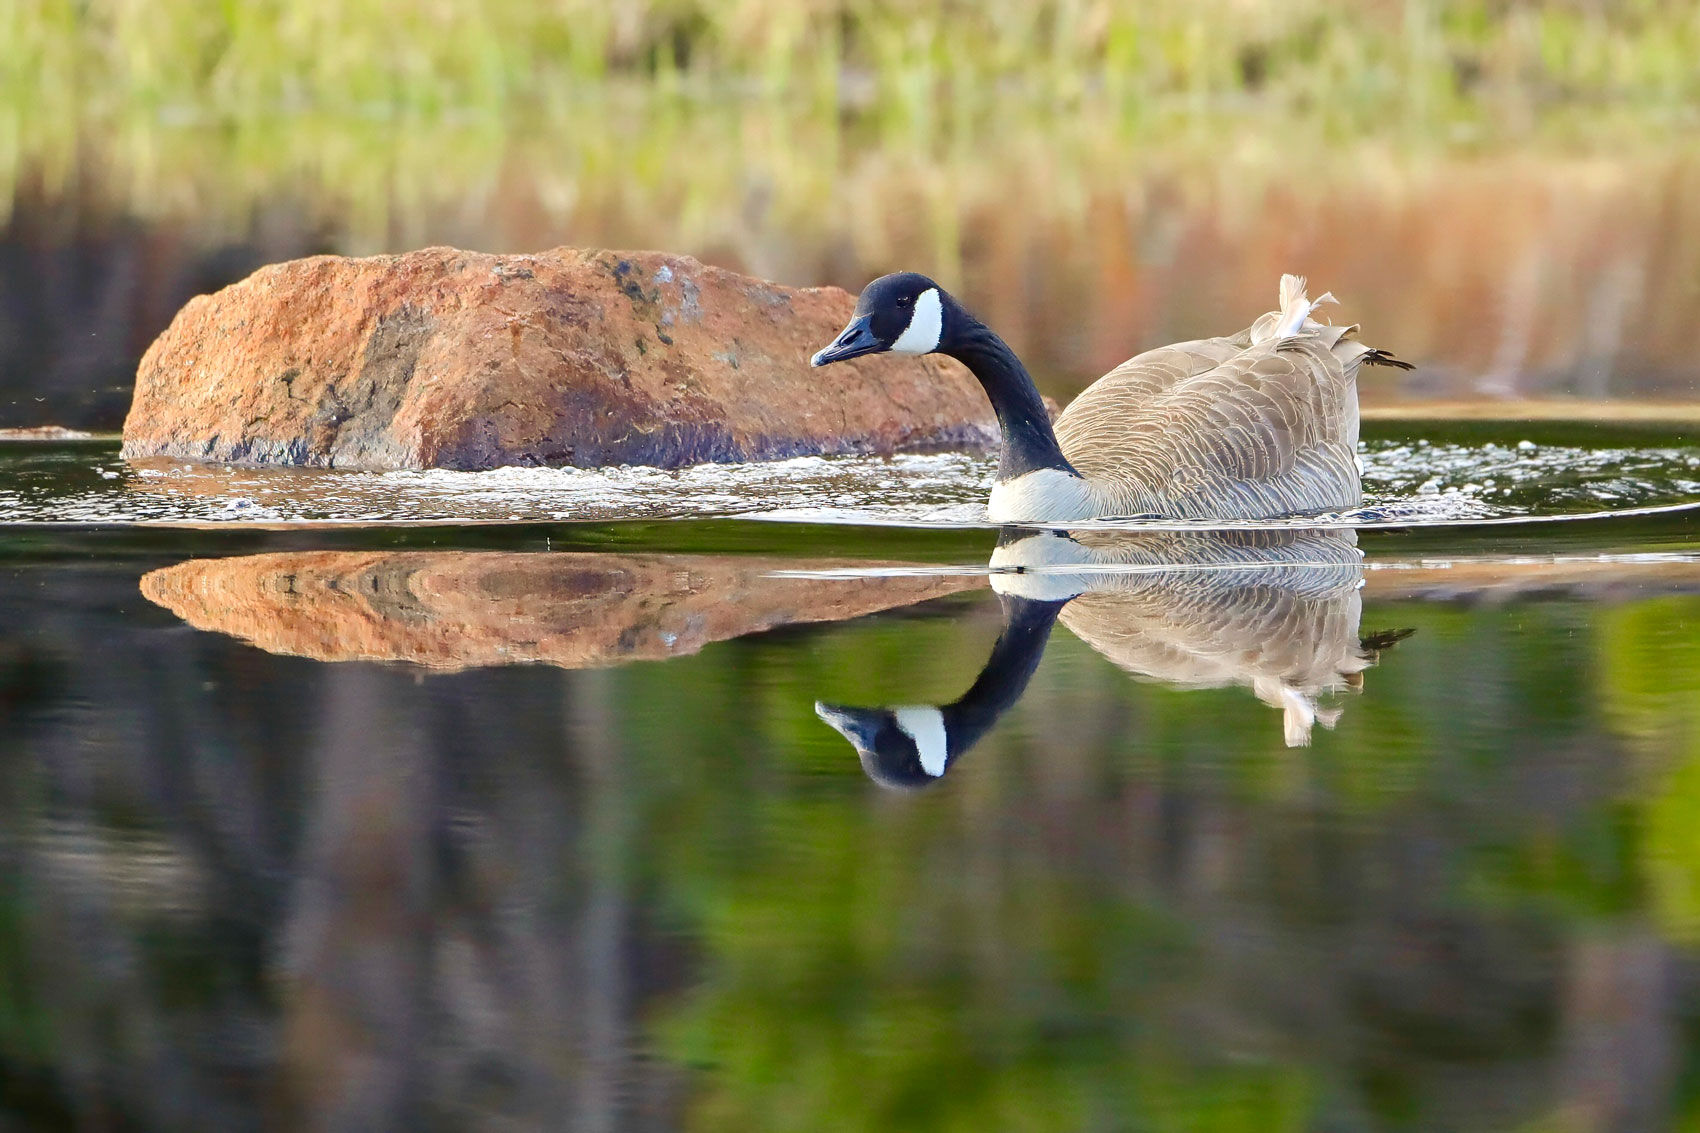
1383	358
1296	306
1293	315
1294	318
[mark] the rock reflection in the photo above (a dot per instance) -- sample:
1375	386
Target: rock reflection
1276	612
454	610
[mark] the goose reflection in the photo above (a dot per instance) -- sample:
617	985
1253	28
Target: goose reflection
1274	611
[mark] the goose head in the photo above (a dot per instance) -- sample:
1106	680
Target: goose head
905	313
902	748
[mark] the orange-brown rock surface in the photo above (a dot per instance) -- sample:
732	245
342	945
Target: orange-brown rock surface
462	609
449	359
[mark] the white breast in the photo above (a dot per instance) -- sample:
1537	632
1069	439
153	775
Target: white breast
1044	495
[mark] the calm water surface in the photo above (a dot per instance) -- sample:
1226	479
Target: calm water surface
536	824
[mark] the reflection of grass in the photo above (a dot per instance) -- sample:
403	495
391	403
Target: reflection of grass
1650	687
851	971
988	956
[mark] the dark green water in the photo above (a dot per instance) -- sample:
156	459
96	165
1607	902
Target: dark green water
534	825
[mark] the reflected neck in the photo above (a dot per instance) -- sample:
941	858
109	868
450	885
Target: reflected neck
1029	443
1026	628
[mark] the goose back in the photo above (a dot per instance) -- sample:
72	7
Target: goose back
1250	425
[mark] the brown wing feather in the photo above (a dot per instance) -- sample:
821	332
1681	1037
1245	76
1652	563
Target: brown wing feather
1219	427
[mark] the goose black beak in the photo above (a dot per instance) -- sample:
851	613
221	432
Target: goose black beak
854	341
852	723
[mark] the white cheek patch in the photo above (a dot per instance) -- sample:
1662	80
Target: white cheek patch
925	725
926	326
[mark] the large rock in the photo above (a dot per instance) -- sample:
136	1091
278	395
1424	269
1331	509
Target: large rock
449	359
463	609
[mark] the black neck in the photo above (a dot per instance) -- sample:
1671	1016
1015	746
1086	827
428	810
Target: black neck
1026	628
1029	443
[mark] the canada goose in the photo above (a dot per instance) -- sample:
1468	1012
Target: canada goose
1276	611
1263	423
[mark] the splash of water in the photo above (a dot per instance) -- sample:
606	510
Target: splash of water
1406	482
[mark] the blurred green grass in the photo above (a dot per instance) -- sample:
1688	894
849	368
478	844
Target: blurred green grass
1472	174
382	57
182	106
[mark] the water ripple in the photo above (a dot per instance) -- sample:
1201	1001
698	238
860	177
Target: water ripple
1407	482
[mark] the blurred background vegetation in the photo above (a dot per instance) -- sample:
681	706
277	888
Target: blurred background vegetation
392	58
1504	191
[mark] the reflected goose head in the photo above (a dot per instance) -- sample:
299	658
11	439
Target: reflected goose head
904	313
904	748
913	746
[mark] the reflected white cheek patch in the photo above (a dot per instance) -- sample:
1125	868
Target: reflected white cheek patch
925	725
